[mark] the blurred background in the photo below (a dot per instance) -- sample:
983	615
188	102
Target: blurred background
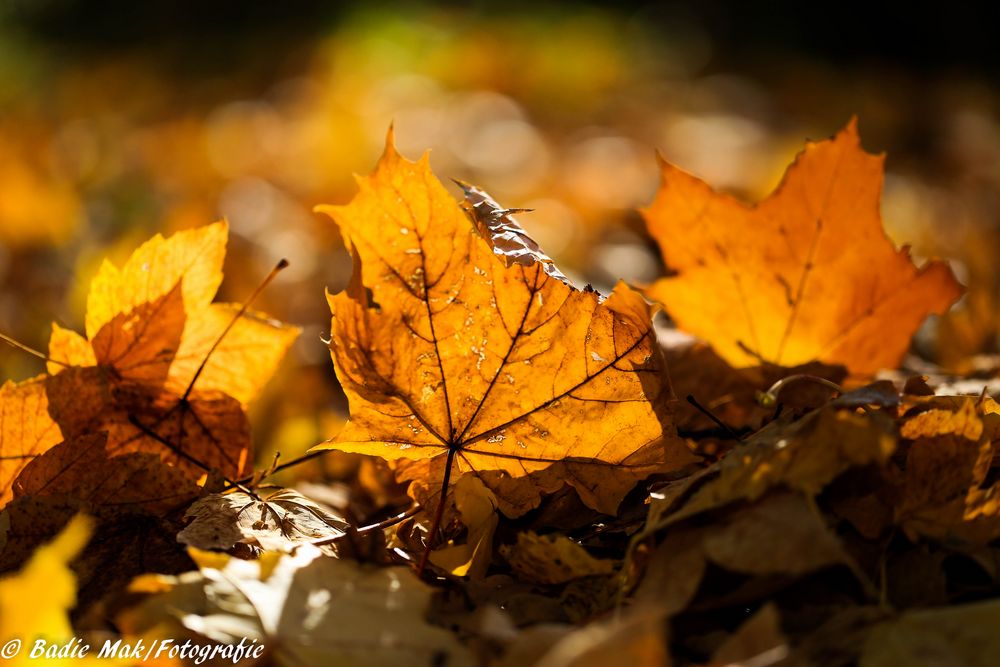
120	119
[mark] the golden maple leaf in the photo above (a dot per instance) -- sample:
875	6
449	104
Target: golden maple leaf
25	429
807	274
449	348
132	309
150	325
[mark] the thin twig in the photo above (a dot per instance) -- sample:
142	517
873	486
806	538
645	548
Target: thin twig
242	311
284	466
436	524
708	413
381	525
32	351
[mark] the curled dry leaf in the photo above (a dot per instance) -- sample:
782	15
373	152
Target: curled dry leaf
507	238
804	455
807	274
499	367
942	492
307	609
278	520
553	559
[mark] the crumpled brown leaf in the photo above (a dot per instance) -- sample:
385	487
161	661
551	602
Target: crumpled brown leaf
805	455
553	559
279	520
307	609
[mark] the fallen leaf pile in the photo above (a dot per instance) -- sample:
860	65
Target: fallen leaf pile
533	473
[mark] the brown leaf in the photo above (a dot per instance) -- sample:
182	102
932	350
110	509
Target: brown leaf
804	455
279	520
552	559
940	492
81	468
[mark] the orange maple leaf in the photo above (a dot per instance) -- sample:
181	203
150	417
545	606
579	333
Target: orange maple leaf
162	296
474	350
25	430
150	326
807	274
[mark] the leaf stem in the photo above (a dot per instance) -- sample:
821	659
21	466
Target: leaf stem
436	524
770	397
284	466
242	311
32	351
381	525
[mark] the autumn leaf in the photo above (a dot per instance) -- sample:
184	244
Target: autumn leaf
116	429
278	520
807	274
150	325
82	469
804	455
307	609
25	430
942	492
444	350
477	508
553	559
